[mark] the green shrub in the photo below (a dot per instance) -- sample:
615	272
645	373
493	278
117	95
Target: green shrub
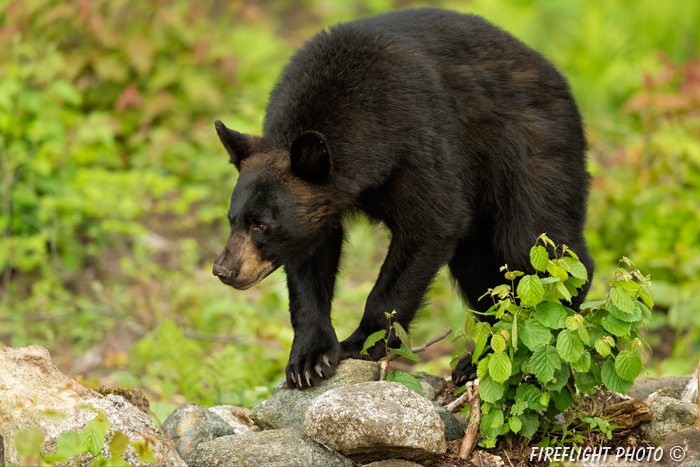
546	356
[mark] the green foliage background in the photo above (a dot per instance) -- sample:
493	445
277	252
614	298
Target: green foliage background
114	188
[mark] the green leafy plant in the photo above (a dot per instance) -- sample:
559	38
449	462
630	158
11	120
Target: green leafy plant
407	379
546	356
71	445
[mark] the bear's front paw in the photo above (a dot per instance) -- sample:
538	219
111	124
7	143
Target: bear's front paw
307	367
353	345
465	370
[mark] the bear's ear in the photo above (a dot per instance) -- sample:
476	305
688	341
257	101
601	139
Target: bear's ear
238	145
310	157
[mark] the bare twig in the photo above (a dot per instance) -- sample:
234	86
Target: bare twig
508	457
472	435
423	346
382	369
457	402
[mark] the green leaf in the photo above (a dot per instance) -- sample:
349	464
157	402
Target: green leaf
490	390
92	437
69	446
407	379
402	334
563	291
531	394
491	423
118	444
561	375
622	299
543	363
646	312
612	380
539	258
615	326
564	399
482	369
534	335
575	268
594	304
557	271
602	347
572	323
628	365
531	423
569	346
530	290
583	334
480	334
636	314
551	314
583	364
372	339
500	367
469	324
498	343
144	451
404	351
515	424
586	382
455	357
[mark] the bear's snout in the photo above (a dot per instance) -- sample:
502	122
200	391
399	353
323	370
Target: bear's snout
221	272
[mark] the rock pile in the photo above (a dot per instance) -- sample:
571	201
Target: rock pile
348	420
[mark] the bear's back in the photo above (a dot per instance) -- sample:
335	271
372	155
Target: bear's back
402	62
424	83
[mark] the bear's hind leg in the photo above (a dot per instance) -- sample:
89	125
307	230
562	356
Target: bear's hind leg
475	269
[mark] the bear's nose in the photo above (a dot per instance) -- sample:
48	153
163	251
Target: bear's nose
221	272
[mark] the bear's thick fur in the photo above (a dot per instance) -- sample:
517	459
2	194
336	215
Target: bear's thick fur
463	141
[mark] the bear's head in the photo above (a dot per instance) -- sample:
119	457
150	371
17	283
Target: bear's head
281	204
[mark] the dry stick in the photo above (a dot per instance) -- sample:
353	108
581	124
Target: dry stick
385	361
509	461
456	403
472	435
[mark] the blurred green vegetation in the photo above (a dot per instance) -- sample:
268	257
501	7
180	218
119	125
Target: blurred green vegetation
114	187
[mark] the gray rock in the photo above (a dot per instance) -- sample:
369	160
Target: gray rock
462	419
30	386
375	421
237	417
191	424
643	387
670	415
453	429
690	393
287	407
686	443
393	463
432	385
270	448
122	417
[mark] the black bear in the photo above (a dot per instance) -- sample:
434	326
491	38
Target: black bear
463	141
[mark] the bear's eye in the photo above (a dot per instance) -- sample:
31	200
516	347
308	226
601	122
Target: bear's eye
259	226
